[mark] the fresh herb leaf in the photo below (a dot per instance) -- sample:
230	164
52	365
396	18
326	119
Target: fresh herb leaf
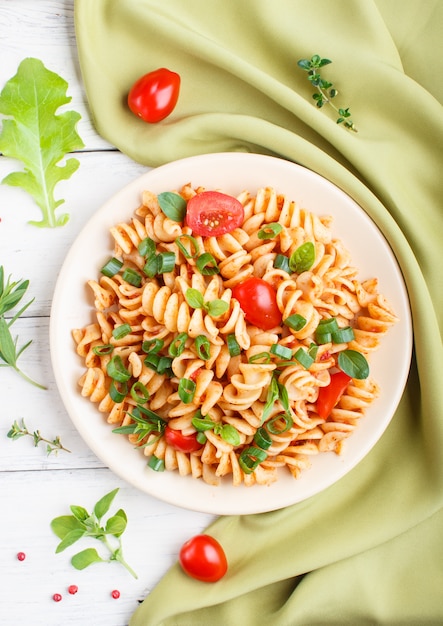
215	308
38	137
194	298
71	528
325	89
353	363
172	205
302	258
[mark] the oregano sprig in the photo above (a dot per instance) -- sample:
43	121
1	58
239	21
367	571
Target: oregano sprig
325	90
52	445
72	528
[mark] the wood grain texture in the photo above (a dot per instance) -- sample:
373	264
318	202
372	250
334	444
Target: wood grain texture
34	487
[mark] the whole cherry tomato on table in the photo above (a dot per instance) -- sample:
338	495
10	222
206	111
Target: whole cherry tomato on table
203	558
181	442
212	213
154	96
258	300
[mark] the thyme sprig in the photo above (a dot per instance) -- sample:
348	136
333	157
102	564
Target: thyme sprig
325	90
11	292
52	445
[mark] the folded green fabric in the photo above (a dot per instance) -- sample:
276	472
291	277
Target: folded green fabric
369	549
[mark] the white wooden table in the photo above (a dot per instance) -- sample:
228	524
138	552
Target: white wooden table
34	487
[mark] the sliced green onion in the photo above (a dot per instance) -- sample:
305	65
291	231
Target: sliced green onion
151	266
121	331
203	347
281	351
118	391
250	459
116	369
139	393
207	265
329	325
323	338
132	277
201	438
186	390
164	365
181	247
343	335
152	360
262	438
112	267
146	247
281	262
177	346
166	262
260	356
274	427
103	350
269	231
156	464
296	321
233	345
312	350
304	358
152	345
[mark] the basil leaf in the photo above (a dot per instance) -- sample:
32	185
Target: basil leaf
194	298
70	538
216	307
64	524
85	558
353	363
172	205
303	258
79	513
230	435
271	398
102	506
115	525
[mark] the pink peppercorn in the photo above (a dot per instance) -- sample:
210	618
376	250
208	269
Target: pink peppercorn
57	597
21	556
115	594
72	589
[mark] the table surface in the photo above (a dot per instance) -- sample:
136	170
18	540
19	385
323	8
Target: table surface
35	487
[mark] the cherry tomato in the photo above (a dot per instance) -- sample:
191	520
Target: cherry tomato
203	558
259	302
330	395
154	96
212	213
181	442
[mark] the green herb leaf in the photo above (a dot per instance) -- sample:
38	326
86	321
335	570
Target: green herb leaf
172	205
38	137
87	557
70	538
215	308
230	434
103	505
65	524
194	298
79	513
353	363
302	258
115	525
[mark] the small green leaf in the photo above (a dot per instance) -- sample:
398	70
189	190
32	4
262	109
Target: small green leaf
194	298
354	364
215	308
324	62
230	434
304	64
79	512
302	258
102	506
115	525
85	558
65	524
70	538
172	205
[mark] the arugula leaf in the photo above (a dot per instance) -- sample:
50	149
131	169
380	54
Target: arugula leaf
37	137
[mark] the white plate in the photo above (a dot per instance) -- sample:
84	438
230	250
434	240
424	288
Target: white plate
232	173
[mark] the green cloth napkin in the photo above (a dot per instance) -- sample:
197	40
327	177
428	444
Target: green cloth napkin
369	549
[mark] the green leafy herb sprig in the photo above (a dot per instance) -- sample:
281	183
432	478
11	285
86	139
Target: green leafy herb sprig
325	89
214	308
10	295
52	445
82	524
35	135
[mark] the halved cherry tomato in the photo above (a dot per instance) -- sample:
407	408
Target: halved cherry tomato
259	302
212	213
203	558
181	442
329	396
154	96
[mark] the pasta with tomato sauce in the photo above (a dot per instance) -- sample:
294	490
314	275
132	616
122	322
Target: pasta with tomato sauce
217	355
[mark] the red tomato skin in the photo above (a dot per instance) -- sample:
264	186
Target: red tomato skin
154	96
259	302
329	396
181	442
211	213
203	558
